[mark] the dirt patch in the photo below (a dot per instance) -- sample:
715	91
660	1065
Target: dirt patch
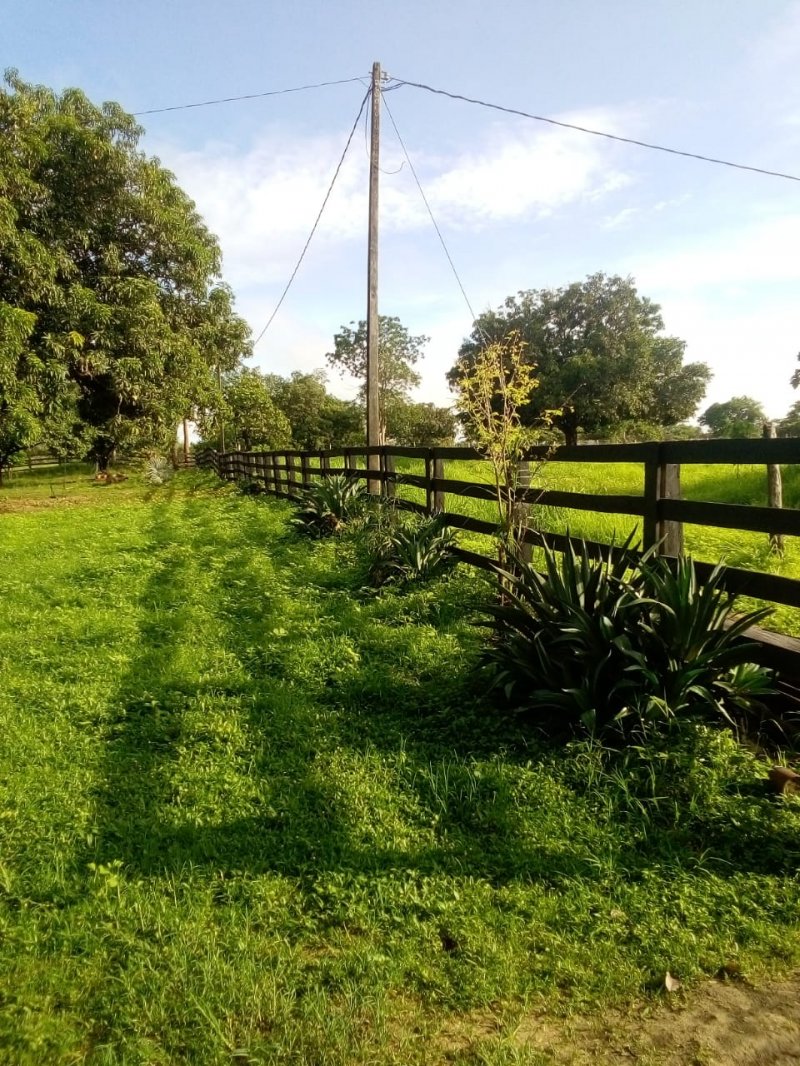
722	1023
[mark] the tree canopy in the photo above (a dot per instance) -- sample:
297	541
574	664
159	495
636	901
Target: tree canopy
112	314
318	419
599	354
789	426
398	350
741	416
252	418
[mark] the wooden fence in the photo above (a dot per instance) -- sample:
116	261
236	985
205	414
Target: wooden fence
662	511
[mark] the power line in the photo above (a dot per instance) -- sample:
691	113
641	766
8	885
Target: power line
247	96
316	221
597	133
430	212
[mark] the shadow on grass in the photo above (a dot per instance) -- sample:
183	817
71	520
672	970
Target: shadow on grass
298	821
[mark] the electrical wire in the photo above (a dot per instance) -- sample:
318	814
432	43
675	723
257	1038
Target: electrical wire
247	96
430	212
596	133
316	221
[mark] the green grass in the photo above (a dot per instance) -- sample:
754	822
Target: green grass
248	815
717	484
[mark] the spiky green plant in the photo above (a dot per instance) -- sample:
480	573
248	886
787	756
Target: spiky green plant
418	550
621	641
327	505
158	470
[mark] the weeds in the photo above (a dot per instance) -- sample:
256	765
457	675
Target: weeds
245	815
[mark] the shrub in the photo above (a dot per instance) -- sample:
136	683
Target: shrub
417	549
249	487
328	504
599	644
158	470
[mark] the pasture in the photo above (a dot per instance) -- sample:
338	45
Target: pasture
251	814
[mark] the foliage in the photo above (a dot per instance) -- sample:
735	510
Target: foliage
158	470
252	418
109	297
621	643
398	353
740	416
599	355
223	773
327	505
420	425
318	419
631	432
413	548
493	387
789	426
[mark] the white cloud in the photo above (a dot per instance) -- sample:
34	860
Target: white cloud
760	252
261	201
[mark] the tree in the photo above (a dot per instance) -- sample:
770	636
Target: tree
740	416
318	419
599	355
398	353
420	425
117	270
252	418
790	425
492	392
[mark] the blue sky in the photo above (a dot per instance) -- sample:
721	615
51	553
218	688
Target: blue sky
522	205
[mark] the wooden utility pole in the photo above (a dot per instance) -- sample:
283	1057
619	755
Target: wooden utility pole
373	355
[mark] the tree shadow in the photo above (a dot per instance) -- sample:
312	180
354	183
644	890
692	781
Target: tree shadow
299	820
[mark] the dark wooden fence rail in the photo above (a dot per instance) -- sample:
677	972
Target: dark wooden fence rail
662	511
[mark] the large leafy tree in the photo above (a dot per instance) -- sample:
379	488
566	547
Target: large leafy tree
789	426
318	419
420	425
115	269
741	416
252	418
398	353
600	356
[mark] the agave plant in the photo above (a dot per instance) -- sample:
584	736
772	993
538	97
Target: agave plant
326	505
414	552
590	643
158	470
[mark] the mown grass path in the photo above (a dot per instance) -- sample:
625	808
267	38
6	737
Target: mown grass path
249	816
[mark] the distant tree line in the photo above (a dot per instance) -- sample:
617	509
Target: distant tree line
115	324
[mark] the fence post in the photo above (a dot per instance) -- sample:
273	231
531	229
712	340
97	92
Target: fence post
522	510
429	504
305	470
774	491
291	470
324	463
662	481
389	468
438	494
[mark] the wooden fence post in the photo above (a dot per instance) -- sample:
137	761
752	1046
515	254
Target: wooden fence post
662	481
774	491
438	494
522	510
390	483
324	463
429	505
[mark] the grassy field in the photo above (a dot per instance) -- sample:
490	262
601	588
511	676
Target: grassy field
716	484
248	814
